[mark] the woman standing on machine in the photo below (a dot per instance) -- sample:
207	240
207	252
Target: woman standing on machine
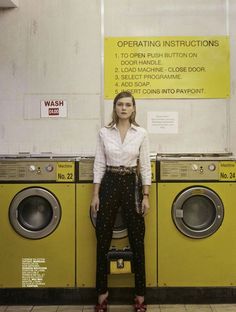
121	163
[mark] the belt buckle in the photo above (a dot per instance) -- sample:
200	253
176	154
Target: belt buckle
122	170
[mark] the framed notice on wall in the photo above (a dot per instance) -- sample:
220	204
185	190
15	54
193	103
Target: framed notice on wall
167	67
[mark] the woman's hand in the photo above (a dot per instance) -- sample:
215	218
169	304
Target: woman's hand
145	205
95	204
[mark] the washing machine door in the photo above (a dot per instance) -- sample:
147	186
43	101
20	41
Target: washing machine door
198	212
34	213
119	230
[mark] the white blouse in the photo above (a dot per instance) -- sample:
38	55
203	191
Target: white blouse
111	151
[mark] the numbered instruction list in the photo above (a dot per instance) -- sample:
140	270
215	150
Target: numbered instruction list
167	67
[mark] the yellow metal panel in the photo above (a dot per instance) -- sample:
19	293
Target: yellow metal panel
86	243
57	250
153	170
85	238
151	240
184	261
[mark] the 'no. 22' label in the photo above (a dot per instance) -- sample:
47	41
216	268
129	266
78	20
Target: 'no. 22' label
65	172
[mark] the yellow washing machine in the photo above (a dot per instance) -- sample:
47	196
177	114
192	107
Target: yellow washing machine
37	223
86	239
196	222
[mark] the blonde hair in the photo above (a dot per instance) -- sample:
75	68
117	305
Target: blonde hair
114	116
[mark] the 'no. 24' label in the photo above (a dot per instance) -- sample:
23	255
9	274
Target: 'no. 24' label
227	171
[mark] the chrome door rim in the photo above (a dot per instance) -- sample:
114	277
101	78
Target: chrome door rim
178	213
116	234
24	194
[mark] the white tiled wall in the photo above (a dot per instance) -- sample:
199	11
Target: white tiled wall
203	124
52	49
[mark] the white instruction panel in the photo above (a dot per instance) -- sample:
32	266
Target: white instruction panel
33	272
162	122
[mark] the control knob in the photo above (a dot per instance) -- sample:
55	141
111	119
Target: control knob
49	168
32	168
212	167
194	167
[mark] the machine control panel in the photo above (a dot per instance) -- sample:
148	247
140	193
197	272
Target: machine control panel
198	170
86	170
37	170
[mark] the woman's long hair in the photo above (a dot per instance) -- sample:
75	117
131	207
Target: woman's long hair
114	116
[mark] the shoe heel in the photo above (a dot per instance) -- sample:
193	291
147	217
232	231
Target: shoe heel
101	307
139	307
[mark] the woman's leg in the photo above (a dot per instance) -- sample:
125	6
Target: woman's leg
136	231
104	229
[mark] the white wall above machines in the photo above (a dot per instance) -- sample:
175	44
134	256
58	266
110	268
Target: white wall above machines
52	50
203	123
232	101
9	3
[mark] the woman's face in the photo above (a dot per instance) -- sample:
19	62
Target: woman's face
124	108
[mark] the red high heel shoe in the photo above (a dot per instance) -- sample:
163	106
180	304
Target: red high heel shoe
139	307
101	307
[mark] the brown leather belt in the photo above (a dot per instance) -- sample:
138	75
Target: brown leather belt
122	170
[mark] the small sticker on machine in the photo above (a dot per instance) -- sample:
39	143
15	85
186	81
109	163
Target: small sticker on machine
33	272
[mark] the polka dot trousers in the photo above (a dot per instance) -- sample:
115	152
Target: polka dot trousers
118	191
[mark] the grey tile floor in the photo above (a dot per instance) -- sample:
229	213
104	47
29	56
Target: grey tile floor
124	308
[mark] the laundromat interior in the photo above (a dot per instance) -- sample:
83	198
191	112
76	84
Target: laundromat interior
61	64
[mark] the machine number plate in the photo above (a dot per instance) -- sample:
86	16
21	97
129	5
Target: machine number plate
227	171
65	172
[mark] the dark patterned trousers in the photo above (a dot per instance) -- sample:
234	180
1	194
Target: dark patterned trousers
117	191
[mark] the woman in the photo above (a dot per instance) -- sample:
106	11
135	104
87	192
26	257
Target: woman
122	148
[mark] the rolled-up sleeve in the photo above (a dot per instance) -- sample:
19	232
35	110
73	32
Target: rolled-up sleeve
99	166
144	161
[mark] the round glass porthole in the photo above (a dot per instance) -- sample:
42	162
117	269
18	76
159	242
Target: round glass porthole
198	212
34	213
119	230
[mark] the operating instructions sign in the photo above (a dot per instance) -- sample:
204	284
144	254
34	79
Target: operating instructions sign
167	67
